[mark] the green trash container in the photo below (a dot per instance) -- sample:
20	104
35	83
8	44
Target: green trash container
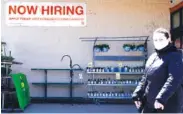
22	89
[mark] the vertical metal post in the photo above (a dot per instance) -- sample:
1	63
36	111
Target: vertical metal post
3	100
93	50
45	86
71	83
93	62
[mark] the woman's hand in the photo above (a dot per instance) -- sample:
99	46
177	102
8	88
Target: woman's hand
138	104
158	105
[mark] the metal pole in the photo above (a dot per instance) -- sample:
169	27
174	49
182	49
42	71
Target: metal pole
2	100
71	82
45	86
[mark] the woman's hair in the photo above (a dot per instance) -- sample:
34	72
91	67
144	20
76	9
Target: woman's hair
163	31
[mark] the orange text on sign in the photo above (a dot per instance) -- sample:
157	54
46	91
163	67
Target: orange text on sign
45	10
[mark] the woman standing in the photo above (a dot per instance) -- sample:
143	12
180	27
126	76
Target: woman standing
161	86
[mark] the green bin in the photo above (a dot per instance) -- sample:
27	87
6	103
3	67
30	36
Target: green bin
22	89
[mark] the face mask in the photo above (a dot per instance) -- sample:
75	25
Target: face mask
160	41
161	45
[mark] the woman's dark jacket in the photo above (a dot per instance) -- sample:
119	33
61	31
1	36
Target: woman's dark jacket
162	80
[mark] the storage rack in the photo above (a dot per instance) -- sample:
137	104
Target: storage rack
7	89
46	83
70	84
97	96
9	101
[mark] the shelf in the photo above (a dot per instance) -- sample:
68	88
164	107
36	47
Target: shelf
55	69
9	110
110	97
124	73
10	63
6	77
9	91
90	40
120	58
112	85
57	98
56	83
3	43
128	38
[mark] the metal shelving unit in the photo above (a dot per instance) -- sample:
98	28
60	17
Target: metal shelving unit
45	84
9	100
8	91
121	58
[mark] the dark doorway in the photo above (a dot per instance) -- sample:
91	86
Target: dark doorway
177	24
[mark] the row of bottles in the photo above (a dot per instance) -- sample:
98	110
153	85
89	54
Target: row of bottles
109	94
112	81
95	69
139	69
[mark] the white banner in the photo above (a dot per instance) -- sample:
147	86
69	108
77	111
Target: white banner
45	14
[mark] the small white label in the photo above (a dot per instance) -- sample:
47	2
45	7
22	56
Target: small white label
118	76
90	64
80	76
120	64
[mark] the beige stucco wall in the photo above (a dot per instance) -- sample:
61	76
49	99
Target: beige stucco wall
44	46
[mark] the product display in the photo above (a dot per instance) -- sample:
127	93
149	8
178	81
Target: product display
133	47
121	72
101	48
95	69
111	81
138	69
109	94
